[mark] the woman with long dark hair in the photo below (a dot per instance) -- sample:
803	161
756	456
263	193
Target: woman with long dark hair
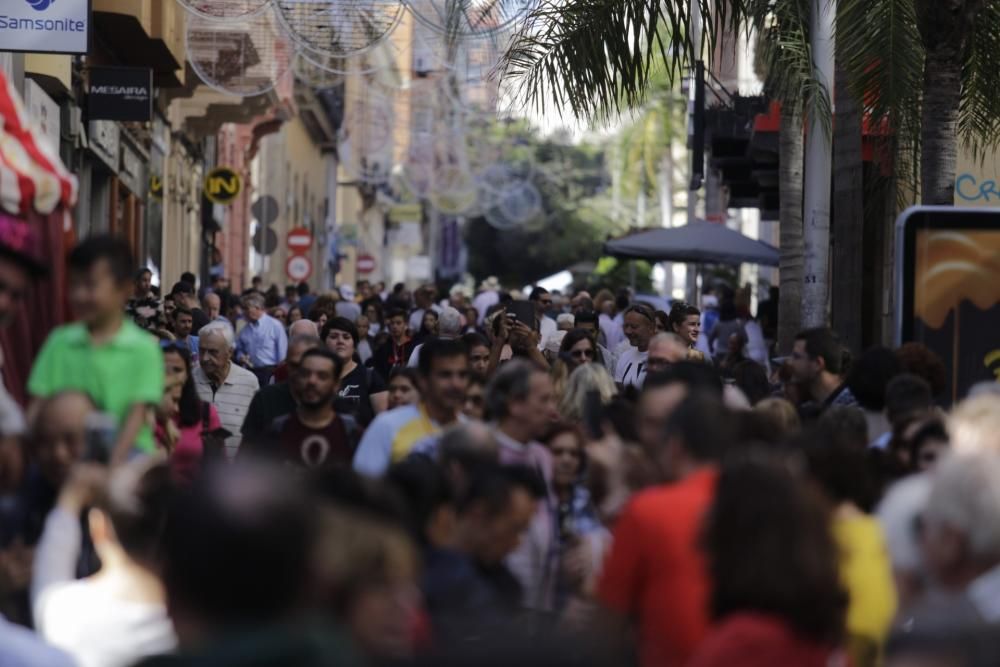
777	597
193	420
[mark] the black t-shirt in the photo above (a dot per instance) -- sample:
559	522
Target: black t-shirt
356	389
268	404
314	448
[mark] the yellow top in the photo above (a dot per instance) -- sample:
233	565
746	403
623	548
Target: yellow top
867	575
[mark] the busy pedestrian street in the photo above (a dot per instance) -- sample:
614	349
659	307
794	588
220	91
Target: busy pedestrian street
480	333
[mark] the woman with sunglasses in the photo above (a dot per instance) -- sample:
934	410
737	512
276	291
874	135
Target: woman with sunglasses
577	348
192	419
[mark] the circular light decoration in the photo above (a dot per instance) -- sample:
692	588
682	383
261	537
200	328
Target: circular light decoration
469	80
366	137
463	18
453	191
339	28
224	9
521	202
418	167
309	72
241	57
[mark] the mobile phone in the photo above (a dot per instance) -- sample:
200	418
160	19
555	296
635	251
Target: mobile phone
522	311
99	438
593	414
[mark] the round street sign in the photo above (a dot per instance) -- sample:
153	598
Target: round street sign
299	241
365	264
223	185
298	268
156	187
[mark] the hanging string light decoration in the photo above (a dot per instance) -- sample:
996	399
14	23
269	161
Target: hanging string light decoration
225	9
242	57
339	28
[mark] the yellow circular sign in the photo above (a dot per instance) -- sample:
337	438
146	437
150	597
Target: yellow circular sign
156	187
223	185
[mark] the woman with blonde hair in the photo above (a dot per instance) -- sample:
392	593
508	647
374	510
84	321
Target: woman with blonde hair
586	378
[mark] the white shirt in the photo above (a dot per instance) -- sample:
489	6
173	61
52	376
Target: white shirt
613	334
631	368
88	618
547	326
984	592
231	400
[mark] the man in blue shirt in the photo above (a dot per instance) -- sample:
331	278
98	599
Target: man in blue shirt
183	324
262	343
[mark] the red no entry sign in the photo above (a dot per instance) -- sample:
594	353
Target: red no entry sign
299	241
366	263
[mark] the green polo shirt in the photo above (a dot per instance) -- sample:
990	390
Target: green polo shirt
125	371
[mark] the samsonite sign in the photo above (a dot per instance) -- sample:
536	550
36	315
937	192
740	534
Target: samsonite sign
45	26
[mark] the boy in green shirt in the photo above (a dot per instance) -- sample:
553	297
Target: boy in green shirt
103	354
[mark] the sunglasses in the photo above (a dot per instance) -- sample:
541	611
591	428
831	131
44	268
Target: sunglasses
645	311
582	354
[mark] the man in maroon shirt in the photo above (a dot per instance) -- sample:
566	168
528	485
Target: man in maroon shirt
315	435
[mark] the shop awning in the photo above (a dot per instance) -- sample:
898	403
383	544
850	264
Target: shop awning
32	177
699	242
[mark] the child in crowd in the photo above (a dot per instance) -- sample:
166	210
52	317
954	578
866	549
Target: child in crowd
103	354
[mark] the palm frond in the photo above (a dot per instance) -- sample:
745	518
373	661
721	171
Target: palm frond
884	60
785	56
979	123
595	57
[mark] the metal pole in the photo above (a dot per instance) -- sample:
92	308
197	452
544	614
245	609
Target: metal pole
819	162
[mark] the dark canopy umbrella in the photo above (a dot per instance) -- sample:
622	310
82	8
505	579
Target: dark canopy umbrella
698	242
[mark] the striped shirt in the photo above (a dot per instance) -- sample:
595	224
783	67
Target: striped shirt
231	400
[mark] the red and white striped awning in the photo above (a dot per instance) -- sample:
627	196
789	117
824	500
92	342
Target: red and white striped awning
32	177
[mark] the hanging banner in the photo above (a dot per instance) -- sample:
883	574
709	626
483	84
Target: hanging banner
120	93
45	26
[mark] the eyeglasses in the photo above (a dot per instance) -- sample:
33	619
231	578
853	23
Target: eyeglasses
582	354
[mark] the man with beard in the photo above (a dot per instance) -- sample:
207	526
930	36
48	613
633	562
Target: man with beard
444	378
315	435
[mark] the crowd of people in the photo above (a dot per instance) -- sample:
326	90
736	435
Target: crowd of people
373	477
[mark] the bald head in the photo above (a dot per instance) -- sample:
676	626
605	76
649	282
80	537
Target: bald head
60	434
212	305
303	327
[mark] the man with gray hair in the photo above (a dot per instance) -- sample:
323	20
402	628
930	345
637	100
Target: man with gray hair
449	328
262	343
961	530
522	400
665	349
221	382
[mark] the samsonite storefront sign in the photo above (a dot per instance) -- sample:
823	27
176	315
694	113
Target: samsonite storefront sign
45	26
